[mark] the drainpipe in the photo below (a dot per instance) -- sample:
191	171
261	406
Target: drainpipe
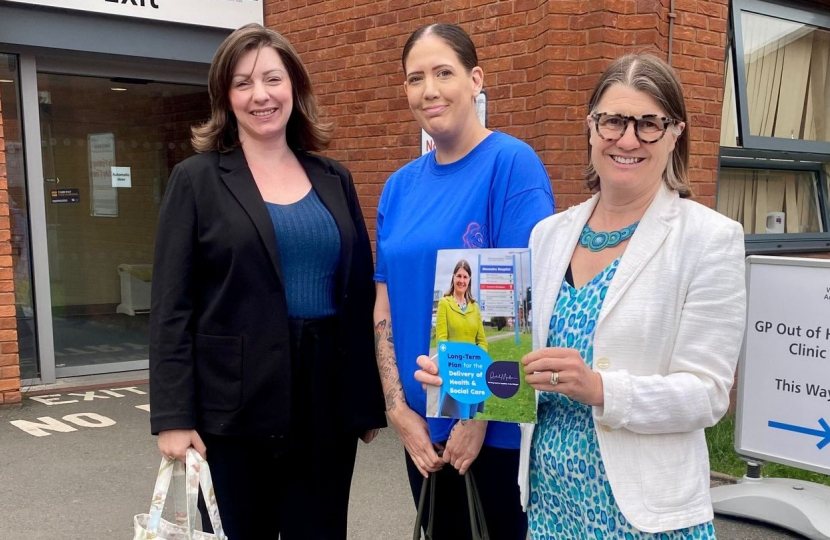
672	16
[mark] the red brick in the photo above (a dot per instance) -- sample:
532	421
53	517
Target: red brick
712	10
594	20
558	22
637	22
717	25
703	120
694	20
648	6
568	7
681	63
710	38
714	81
8	360
11	372
621	6
688	78
694	49
686	5
9	384
709	66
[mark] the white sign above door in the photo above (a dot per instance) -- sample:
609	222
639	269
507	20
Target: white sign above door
229	14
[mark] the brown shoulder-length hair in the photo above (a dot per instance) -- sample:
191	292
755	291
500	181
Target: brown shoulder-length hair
649	74
468	296
304	130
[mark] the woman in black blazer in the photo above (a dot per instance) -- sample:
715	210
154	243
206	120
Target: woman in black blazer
261	351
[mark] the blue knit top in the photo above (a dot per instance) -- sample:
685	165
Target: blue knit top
309	247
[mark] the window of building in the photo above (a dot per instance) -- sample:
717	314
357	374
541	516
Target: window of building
775	137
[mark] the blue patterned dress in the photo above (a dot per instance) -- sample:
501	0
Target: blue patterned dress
570	497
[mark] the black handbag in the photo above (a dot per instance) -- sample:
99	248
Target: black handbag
476	511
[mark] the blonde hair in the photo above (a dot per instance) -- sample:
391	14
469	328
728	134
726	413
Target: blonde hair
304	130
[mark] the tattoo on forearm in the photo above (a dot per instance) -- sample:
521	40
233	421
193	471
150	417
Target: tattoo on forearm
387	364
379	328
389	397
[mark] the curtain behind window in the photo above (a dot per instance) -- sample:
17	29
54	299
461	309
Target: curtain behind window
757	198
786	78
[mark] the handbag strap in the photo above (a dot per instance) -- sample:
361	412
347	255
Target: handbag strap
197	474
478	524
427	485
165	475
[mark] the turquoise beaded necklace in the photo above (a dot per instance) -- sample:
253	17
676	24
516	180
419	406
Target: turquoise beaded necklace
597	241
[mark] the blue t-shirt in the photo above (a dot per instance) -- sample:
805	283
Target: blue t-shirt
491	198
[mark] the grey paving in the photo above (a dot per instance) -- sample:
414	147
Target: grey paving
87	482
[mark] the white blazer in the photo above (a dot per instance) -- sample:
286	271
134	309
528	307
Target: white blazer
666	345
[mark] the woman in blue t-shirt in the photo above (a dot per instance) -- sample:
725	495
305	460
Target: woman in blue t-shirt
477	189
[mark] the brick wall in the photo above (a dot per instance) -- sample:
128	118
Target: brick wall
9	362
541	59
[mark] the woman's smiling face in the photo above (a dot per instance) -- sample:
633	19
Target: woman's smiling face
628	163
260	95
461	281
440	90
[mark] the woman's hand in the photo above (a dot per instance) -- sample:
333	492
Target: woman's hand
573	377
464	443
428	374
369	435
173	443
414	432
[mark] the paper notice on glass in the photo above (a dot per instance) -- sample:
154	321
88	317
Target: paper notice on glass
121	177
103	200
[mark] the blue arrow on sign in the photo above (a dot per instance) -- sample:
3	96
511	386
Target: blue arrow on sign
824	432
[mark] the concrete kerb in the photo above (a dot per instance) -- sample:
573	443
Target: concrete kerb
87	382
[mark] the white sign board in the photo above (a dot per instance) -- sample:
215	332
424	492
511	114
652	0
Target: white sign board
784	372
229	14
427	142
496	289
121	177
103	201
501	279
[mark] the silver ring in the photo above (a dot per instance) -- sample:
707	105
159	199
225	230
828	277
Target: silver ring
554	378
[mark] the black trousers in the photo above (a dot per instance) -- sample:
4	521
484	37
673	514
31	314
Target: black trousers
297	488
496	471
265	494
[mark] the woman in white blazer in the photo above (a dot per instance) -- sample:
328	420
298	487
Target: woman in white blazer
639	302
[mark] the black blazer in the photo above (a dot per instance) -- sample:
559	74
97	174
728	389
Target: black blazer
219	342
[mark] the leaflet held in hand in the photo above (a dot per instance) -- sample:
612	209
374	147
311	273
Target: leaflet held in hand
481	330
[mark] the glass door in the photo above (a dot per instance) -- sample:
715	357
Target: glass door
108	146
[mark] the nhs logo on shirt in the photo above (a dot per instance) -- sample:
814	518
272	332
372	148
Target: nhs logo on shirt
476	236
